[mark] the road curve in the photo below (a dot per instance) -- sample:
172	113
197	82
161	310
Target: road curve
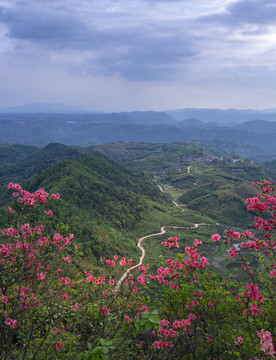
140	240
139	244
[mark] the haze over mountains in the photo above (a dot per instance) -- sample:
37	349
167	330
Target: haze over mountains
248	133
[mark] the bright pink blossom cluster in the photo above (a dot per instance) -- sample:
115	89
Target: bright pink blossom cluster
172	330
170	242
266	342
28	198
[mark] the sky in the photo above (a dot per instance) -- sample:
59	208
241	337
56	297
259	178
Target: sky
125	55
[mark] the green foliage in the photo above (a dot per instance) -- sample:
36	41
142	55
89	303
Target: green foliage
98	353
189	313
102	201
148	321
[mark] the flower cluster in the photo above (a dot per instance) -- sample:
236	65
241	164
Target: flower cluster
170	242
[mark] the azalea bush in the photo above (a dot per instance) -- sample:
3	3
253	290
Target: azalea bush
48	308
51	308
226	320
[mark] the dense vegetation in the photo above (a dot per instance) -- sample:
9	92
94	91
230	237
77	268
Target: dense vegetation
61	296
108	205
198	175
52	308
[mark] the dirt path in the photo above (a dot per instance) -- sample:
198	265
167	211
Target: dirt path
139	244
160	187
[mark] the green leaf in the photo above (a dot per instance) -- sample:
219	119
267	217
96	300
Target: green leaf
109	342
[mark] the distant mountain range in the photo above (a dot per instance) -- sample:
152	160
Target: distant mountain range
247	133
228	116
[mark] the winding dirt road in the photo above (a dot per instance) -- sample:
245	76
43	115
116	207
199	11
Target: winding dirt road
139	244
140	241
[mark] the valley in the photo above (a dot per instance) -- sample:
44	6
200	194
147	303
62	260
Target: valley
106	289
114	194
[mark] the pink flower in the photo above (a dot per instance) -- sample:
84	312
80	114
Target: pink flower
59	346
55	196
64	296
67	259
232	253
266	342
123	261
55	330
197	242
156	345
240	340
215	237
49	212
127	319
41	276
4	299
11	323
273	273
64	281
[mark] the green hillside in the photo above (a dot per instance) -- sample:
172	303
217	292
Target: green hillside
17	152
110	198
102	202
20	162
199	176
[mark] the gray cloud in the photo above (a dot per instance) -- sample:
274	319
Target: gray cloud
254	12
134	49
136	42
44	26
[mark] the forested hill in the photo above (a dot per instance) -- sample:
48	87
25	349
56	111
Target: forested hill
198	175
18	163
118	194
101	200
101	187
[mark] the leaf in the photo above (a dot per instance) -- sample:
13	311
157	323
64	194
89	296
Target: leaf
109	342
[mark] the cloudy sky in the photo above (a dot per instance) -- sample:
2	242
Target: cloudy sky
117	55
